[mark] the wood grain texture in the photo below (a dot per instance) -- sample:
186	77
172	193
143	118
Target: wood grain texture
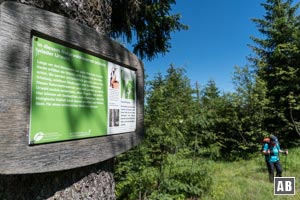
17	22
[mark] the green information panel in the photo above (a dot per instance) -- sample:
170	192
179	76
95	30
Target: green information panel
69	97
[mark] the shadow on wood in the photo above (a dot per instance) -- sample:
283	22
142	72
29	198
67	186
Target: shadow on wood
90	182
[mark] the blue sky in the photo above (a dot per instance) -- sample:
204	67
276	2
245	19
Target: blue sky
216	41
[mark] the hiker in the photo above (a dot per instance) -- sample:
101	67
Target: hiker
271	151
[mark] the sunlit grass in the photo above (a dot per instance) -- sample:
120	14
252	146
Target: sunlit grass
249	179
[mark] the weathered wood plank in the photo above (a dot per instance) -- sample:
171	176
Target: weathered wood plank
17	22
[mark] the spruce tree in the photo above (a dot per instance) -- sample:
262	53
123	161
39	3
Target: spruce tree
150	21
277	63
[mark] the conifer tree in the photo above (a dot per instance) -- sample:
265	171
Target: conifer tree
147	24
169	106
277	62
163	167
150	21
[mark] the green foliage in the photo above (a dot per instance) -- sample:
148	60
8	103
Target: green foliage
189	177
247	106
230	125
164	167
277	63
169	105
187	129
184	128
150	21
248	179
178	178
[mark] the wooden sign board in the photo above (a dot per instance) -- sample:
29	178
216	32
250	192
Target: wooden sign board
69	96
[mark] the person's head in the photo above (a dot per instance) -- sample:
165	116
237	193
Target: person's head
273	140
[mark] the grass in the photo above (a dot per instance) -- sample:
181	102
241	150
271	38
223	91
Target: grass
248	180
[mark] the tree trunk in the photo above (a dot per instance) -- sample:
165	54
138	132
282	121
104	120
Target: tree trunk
90	182
93	13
